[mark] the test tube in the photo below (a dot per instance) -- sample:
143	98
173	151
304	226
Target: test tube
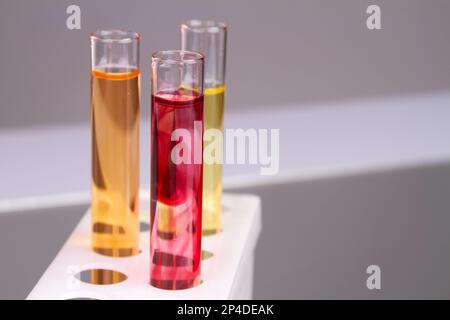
210	38
115	117
176	169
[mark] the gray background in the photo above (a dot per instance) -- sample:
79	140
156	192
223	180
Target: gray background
279	51
318	236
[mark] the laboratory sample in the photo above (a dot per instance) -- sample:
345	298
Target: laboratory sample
115	117
176	169
209	38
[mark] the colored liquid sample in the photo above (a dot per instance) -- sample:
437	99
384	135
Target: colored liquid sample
212	172
176	190
115	161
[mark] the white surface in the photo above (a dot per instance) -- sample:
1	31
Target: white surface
39	166
228	274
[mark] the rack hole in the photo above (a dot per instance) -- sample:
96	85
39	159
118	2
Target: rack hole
207	254
101	276
144	226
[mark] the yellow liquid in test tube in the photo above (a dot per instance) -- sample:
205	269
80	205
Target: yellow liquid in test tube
212	173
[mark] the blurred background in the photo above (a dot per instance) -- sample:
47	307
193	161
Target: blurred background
279	53
364	119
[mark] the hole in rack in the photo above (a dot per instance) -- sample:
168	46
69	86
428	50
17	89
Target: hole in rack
144	226
101	276
207	254
209	233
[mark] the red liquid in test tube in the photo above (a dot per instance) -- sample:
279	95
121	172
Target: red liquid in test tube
176	187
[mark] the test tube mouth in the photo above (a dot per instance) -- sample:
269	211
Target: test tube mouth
204	26
115	36
177	56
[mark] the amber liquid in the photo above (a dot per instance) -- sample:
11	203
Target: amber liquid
212	173
115	161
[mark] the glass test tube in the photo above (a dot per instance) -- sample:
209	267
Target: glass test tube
115	120
209	38
176	169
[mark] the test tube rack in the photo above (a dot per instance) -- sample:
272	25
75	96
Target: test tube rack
227	261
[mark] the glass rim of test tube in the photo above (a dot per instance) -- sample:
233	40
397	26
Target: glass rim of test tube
177	56
203	26
115	36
